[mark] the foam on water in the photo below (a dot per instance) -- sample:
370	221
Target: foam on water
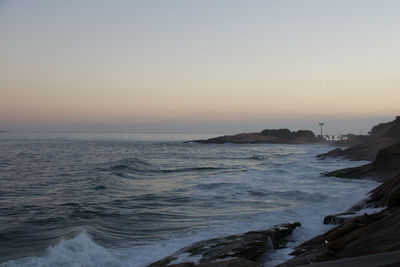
83	251
78	251
141	201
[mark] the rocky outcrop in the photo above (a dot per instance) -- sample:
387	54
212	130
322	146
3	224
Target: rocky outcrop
235	250
369	233
360	235
268	136
228	263
366	147
388	129
339	218
385	165
363	235
387	194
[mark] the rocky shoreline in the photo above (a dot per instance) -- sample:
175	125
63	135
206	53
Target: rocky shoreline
357	236
385	166
366	234
235	250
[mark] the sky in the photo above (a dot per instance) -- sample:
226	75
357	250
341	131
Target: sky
221	66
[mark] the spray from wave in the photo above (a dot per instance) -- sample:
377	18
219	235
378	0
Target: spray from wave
78	251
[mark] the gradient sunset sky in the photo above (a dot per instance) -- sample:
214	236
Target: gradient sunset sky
198	66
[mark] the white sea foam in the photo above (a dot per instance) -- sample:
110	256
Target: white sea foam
279	190
78	251
83	251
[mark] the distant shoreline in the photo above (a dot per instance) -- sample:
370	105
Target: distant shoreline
267	136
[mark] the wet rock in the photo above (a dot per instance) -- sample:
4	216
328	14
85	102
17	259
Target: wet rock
385	165
366	147
387	194
362	235
184	264
366	150
339	218
230	263
250	246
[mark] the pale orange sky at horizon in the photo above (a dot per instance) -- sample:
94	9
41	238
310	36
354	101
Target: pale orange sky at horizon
134	62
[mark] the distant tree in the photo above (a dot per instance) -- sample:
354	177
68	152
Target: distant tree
305	133
283	133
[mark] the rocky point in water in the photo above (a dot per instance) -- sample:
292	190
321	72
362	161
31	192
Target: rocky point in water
368	235
385	165
366	147
244	250
267	136
361	235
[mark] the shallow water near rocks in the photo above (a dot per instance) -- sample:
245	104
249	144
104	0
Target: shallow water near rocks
129	199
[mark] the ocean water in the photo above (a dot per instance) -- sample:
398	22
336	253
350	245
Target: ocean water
130	199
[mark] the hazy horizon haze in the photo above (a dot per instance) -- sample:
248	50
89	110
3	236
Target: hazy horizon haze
198	66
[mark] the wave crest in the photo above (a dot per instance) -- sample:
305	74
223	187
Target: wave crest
78	251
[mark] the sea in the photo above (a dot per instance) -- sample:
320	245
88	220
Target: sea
107	199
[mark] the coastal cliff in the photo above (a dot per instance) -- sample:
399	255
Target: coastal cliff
244	250
368	235
361	235
267	136
366	147
358	233
385	165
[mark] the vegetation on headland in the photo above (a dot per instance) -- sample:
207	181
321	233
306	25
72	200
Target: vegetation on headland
386	160
366	147
267	136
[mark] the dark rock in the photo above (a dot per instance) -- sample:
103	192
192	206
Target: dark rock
183	264
366	147
166	261
389	129
366	150
250	246
361	235
230	263
305	133
339	218
280	133
268	136
387	194
385	165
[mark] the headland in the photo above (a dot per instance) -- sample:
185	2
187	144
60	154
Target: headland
357	240
267	136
